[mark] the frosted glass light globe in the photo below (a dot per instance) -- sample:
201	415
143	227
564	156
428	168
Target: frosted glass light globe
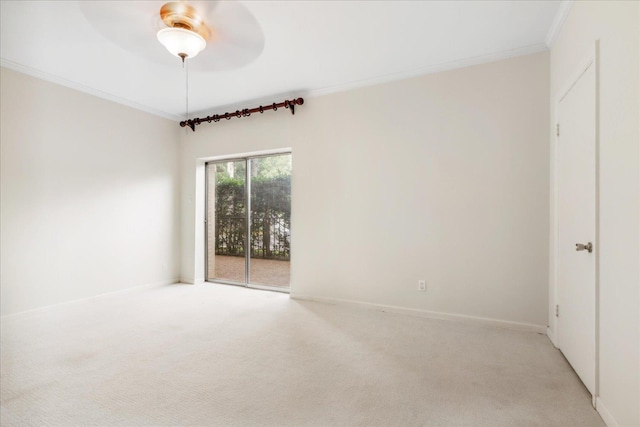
181	42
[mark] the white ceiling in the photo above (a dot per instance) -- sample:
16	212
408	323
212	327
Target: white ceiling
266	50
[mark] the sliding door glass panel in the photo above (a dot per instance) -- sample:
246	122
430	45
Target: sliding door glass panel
226	221
270	219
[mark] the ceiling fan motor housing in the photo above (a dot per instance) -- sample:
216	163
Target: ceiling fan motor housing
181	15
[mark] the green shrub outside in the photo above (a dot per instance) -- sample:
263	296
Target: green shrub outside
270	214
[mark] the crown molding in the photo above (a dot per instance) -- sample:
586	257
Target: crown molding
467	62
558	21
85	89
446	66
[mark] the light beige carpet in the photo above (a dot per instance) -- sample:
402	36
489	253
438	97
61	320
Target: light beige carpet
215	355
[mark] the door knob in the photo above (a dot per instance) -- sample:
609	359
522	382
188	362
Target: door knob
581	247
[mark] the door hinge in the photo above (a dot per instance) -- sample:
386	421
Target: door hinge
557	310
558	129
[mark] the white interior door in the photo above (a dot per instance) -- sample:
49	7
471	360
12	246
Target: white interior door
577	225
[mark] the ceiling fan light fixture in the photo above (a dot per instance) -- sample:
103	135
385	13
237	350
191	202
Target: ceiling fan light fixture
181	42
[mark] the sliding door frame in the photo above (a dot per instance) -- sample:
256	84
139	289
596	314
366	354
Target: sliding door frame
247	255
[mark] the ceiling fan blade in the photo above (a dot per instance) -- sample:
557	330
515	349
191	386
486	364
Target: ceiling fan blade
130	25
237	38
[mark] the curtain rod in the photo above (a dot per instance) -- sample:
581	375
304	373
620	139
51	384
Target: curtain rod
246	112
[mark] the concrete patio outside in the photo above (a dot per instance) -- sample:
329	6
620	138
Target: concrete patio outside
268	272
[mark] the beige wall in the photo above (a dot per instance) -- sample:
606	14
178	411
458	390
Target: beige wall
89	195
616	25
442	177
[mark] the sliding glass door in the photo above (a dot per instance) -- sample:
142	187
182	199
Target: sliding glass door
270	220
249	221
226	221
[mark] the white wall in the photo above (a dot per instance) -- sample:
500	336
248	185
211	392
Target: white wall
89	195
616	25
442	177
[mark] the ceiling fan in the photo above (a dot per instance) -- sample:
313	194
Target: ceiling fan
224	34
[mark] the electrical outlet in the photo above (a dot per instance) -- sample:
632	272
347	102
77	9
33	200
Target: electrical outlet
422	285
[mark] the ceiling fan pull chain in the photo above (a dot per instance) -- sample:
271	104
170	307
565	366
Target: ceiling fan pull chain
186	69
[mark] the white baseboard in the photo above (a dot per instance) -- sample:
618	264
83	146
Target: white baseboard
192	281
605	414
102	295
425	313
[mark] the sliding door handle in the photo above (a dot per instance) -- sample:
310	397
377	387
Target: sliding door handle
582	247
